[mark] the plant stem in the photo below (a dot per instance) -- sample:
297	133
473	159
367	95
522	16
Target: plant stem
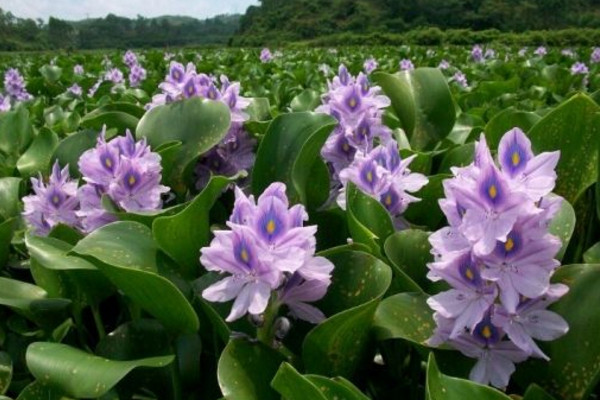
266	332
98	321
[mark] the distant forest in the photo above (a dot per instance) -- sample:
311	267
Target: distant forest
294	20
284	21
113	32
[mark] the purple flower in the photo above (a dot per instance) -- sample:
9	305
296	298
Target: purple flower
540	51
75	90
358	107
92	91
595	57
265	55
114	75
53	203
523	52
579	68
477	53
406	65
498	257
370	65
130	59
14	85
444	64
137	74
383	175
460	79
568	53
489	53
129	173
78	69
266	250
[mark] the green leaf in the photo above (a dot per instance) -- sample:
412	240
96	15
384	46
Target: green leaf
246	370
404	316
507	120
51	73
369	212
534	392
16	131
573	370
336	388
37	157
307	100
340	344
6	233
80	374
182	235
19	295
9	197
423	103
6	371
72	147
38	390
357	278
578	165
409	250
427	211
198	124
112	119
288	152
293	386
127	256
442	387
563	225
592	255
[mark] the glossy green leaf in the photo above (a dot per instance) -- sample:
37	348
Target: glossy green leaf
9	197
307	100
246	370
19	295
37	157
198	124
423	103
6	233
293	386
460	156
507	120
592	255
578	165
81	374
127	256
51	73
574	367
404	316
563	225
442	387
6	371
369	212
288	153
112	119
38	390
534	392
336	388
16	131
72	147
426	211
409	250
358	277
182	235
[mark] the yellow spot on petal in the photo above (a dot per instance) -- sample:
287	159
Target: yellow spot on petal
493	191
108	162
271	227
352	102
370	176
346	147
469	274
55	199
131	180
509	245
244	255
486	332
516	158
388	200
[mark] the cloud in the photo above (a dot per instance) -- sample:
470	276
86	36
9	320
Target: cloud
81	9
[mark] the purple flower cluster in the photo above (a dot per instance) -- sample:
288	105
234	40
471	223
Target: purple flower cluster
129	173
498	257
384	176
265	55
540	51
370	65
14	85
267	250
461	79
568	53
78	69
406	65
477	53
358	107
579	68
130	59
75	90
444	64
137	74
53	203
235	152
595	57
114	75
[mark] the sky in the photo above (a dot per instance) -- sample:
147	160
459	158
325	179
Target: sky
81	9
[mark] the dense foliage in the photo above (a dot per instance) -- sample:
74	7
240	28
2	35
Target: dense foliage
301	224
113	32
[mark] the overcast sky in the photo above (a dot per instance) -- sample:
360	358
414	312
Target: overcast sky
81	9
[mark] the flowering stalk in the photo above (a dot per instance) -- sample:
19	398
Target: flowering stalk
498	257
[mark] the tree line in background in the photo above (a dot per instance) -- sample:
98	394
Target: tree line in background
294	20
113	32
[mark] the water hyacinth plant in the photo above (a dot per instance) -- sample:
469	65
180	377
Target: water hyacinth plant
498	257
